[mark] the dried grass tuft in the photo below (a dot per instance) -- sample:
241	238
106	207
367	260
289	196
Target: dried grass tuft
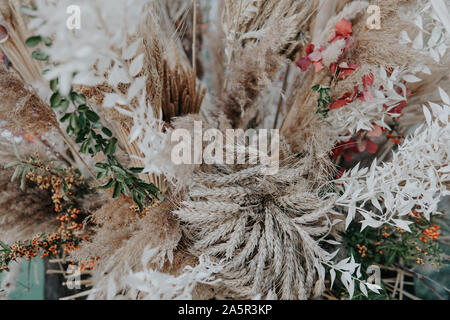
21	107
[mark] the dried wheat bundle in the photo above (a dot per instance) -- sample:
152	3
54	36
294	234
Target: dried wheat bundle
263	228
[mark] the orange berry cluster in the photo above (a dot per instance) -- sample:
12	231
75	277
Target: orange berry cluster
420	261
416	216
46	179
68	236
395	138
88	265
50	245
431	233
361	250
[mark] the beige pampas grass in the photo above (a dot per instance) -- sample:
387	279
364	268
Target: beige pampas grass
261	35
23	214
21	107
122	236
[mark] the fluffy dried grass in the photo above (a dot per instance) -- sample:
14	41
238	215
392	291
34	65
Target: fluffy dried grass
121	237
23	214
21	107
260	37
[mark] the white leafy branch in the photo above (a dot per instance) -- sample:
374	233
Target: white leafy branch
433	23
350	274
415	179
153	284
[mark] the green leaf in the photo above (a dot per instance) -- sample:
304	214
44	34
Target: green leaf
107	132
118	170
54	85
142	194
39	55
82	121
125	190
23	181
100	175
117	189
65	117
16	151
137	199
136	170
17	173
316	87
83	148
101	166
92	116
64	105
111	146
33	41
48	42
391	258
83	108
97	125
4	246
74	122
55	100
12	164
151	188
65	187
108	185
80	99
324	96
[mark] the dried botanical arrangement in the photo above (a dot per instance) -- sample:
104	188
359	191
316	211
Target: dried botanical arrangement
357	93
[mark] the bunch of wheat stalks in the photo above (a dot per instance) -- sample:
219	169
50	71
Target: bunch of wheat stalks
339	89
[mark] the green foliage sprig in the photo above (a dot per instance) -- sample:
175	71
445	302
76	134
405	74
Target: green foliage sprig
92	137
324	101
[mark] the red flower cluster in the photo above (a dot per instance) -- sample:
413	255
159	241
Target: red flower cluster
346	149
312	57
346	69
361	144
342	30
349	97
